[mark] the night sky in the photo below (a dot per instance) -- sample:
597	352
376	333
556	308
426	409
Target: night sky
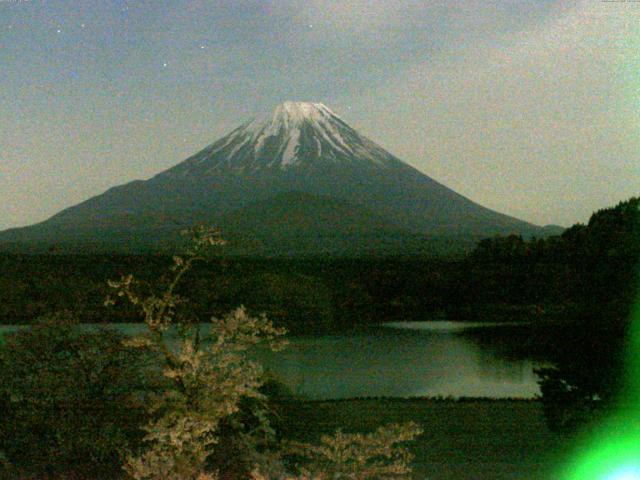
529	108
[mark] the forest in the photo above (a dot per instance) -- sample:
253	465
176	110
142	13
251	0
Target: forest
589	270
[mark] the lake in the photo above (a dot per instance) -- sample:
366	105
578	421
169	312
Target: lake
403	359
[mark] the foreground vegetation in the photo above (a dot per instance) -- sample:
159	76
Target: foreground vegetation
463	439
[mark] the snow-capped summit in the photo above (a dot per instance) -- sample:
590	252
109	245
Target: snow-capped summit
293	135
295	113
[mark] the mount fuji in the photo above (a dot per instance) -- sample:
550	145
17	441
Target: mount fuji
299	180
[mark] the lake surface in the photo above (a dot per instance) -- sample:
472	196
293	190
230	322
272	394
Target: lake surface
402	359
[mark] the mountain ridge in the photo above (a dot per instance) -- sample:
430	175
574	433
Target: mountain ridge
301	147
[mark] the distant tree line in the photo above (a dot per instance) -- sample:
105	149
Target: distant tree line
591	274
586	269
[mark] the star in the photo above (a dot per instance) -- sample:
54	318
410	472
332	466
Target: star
82	25
164	64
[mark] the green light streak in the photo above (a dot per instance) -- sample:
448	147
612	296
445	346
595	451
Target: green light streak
612	450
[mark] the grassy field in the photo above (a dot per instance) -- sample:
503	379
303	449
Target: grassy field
470	439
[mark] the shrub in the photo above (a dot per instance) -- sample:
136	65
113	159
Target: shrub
211	420
380	455
72	400
211	416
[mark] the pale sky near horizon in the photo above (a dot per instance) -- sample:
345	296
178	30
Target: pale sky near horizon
528	108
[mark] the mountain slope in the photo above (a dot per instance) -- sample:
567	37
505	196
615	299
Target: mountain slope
297	223
301	147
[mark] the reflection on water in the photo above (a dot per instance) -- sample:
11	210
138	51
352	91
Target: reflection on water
409	359
448	326
388	362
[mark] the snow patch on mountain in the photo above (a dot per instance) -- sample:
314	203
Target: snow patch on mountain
293	135
331	134
289	155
